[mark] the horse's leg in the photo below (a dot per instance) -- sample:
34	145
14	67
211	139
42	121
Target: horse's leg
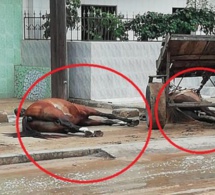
69	127
27	131
92	122
87	132
93	112
130	122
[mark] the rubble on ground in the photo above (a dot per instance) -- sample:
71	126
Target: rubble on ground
3	117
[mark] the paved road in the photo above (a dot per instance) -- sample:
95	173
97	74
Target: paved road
161	171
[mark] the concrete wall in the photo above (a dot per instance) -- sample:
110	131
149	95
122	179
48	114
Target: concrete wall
136	60
140	6
123	6
35	62
10	44
36	53
36	5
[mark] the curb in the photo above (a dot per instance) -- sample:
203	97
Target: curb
100	104
8	159
112	151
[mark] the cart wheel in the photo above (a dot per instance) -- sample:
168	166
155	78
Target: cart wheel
151	94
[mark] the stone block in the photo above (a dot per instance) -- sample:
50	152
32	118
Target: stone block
3	117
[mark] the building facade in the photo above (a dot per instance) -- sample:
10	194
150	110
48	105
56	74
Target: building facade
10	44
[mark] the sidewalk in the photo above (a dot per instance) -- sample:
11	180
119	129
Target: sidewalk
9	104
11	152
113	103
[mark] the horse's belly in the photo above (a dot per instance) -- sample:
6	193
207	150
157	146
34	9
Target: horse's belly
46	126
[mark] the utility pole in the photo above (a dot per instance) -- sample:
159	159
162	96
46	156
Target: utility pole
59	80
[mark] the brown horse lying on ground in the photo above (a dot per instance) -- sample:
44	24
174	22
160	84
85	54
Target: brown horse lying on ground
55	115
189	95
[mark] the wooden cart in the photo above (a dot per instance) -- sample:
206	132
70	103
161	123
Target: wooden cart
178	53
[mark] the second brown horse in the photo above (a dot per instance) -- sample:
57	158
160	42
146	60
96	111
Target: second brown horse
55	115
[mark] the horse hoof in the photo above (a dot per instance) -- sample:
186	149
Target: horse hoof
122	123
88	134
134	123
98	133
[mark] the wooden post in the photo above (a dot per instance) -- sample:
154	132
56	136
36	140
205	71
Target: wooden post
167	73
59	80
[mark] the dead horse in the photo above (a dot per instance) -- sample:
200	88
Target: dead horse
55	115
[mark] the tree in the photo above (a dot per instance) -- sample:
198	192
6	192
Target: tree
71	17
204	15
105	25
199	4
197	13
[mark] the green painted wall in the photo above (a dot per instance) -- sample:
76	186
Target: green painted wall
11	28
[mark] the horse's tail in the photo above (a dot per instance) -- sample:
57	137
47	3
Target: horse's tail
22	112
27	131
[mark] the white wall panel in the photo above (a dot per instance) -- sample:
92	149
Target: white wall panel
136	60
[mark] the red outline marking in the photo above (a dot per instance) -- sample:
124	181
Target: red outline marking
83	181
157	104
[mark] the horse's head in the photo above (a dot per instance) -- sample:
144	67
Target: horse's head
22	112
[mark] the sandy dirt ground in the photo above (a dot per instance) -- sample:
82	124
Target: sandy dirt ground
112	135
